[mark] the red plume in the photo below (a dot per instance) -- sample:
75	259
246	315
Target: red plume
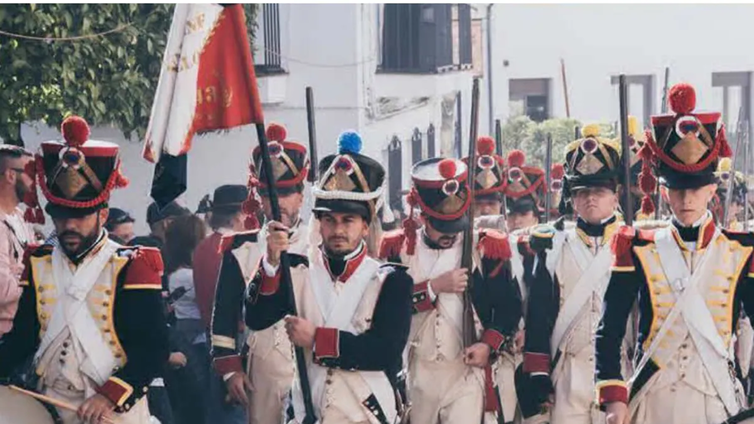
447	168
725	150
557	171
75	131
485	145
516	158
682	98
276	132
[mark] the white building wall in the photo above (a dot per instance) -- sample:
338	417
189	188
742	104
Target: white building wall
599	40
334	48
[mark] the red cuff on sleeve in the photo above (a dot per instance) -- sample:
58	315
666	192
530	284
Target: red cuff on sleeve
326	343
421	299
116	390
269	284
612	391
493	338
536	362
227	364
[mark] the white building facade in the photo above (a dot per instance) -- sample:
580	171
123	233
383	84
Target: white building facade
400	75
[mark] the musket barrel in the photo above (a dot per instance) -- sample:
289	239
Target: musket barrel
628	208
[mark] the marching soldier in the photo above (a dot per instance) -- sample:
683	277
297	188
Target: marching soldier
354	314
450	384
490	180
270	367
725	176
690	278
570	276
90	327
524	192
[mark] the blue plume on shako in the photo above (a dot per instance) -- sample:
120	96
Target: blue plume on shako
349	142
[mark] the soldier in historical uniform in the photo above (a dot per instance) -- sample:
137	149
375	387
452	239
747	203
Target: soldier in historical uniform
450	382
354	313
490	178
270	369
524	192
691	279
90	328
569	279
725	176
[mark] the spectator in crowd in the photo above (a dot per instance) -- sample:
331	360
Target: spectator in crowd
204	211
187	380
15	234
159	220
120	226
226	216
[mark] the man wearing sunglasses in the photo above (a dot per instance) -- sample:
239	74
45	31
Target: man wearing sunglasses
14	233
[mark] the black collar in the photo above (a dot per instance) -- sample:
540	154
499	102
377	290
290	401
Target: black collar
688	234
337	265
594	230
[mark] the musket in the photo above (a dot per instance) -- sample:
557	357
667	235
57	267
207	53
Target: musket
548	169
312	128
499	148
285	275
732	178
628	208
740	418
469	328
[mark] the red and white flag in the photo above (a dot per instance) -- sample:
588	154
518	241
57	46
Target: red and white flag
207	80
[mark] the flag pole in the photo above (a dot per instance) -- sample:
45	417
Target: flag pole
285	273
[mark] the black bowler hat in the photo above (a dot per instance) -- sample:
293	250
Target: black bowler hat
229	198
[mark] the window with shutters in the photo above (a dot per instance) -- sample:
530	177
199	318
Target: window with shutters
416	146
426	38
267	53
431	141
530	97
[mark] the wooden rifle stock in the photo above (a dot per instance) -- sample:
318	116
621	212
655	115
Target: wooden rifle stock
467	261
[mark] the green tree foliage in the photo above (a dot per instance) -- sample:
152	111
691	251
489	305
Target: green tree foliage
520	132
109	79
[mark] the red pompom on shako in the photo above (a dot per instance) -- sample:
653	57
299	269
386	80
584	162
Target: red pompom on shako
682	98
485	145
276	132
516	159
447	168
75	131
